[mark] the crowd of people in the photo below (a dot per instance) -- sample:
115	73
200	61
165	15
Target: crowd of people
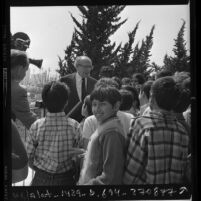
109	131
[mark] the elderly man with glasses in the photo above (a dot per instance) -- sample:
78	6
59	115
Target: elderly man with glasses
80	84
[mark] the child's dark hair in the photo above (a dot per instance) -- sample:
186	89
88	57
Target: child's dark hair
126	81
183	83
106	93
55	95
165	92
105	81
126	99
87	102
146	88
134	92
187	84
180	77
106	71
139	77
163	73
118	80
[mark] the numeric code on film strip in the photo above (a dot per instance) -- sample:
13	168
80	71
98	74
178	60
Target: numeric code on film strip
101	193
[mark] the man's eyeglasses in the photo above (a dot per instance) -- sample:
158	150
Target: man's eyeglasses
85	66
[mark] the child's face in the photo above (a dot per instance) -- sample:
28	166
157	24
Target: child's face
102	110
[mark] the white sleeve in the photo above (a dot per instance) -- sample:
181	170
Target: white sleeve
88	128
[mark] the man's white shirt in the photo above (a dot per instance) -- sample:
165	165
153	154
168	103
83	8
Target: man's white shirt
78	79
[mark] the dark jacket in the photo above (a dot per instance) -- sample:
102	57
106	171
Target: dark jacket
20	105
70	80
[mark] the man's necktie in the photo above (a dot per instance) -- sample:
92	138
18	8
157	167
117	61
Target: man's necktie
84	93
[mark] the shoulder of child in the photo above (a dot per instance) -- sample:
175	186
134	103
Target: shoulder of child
125	114
112	137
90	118
36	124
73	122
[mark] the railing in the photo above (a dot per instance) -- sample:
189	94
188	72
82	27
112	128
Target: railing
31	172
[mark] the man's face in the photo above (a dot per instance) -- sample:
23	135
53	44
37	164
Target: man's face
84	68
21	44
136	84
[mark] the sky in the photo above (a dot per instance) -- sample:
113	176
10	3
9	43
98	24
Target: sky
50	29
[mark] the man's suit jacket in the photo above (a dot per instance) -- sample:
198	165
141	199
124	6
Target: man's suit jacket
20	105
70	80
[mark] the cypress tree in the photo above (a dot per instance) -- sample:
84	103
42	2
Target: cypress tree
91	37
124	57
140	60
180	61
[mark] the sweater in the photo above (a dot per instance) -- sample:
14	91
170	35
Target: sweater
105	156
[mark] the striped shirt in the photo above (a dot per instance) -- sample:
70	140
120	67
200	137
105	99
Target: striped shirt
50	142
157	150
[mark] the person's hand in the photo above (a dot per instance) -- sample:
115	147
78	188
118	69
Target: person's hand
74	152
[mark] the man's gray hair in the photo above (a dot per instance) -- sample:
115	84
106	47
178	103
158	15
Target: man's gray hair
79	58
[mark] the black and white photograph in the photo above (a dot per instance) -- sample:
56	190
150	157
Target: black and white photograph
101	97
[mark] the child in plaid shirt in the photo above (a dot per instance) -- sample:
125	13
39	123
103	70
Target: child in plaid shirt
158	146
51	140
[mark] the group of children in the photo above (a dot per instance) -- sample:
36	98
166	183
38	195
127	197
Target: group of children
123	138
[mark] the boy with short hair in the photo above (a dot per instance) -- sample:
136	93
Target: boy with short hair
105	156
90	123
138	80
158	146
126	101
183	101
51	140
136	101
182	80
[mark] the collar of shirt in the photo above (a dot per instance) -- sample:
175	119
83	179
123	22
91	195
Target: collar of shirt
55	115
160	114
78	79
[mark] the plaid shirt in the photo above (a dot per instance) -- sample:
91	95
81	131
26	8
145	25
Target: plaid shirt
157	150
50	142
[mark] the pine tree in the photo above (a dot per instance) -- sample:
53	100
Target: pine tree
153	68
91	37
147	49
140	60
126	51
180	61
168	63
66	64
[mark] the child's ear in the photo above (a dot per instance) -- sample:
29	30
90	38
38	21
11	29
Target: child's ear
117	106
